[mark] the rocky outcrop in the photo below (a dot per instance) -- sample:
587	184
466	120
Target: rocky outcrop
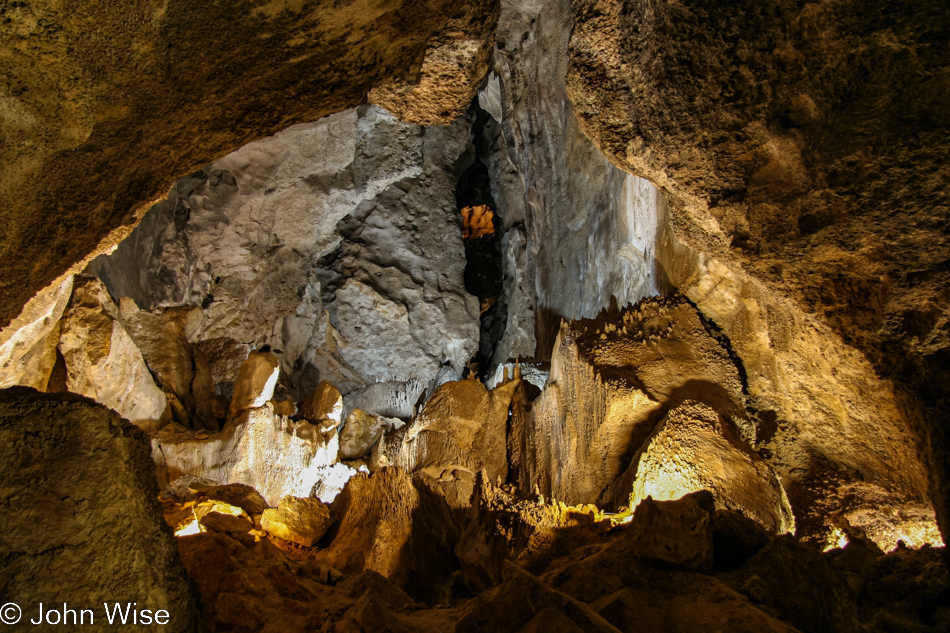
301	521
696	449
334	243
832	413
273	454
612	380
170	88
463	425
82	524
101	359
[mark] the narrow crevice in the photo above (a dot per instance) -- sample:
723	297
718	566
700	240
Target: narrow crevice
482	231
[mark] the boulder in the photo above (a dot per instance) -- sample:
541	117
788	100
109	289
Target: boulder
255	382
362	431
796	582
102	361
697	449
273	454
82	521
612	380
298	520
520	601
677	534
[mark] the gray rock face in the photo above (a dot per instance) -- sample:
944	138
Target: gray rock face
335	243
591	229
82	522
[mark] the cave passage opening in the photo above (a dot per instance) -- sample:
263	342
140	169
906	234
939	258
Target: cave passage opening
482	228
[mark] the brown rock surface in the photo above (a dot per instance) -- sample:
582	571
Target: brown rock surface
301	521
674	533
82	524
172	87
695	449
463	424
325	403
101	359
806	144
612	380
255	382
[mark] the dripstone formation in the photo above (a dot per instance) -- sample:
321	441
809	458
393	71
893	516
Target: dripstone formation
520	316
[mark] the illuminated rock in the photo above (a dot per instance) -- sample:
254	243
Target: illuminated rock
610	382
325	403
695	449
102	360
255	382
301	521
335	243
463	425
181	369
361	432
28	344
272	454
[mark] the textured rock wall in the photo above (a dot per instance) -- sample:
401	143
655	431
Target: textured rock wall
590	228
806	143
117	102
337	244
843	438
82	522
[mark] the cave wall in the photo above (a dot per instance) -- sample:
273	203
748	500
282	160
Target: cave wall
842	439
118	101
591	229
804	144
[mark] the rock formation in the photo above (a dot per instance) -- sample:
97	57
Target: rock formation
173	87
518	316
83	525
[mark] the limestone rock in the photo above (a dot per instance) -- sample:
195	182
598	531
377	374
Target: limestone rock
225	357
272	454
255	587
325	403
255	382
102	360
611	380
223	517
780	200
695	449
451	70
462	425
383	522
83	94
301	521
28	345
362	431
82	521
524	601
799	584
374	518
675	533
500	527
290	242
182	370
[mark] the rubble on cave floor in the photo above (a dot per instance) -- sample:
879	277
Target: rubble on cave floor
676	566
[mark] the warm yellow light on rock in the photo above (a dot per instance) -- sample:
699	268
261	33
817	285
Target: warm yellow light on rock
189	527
477	222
